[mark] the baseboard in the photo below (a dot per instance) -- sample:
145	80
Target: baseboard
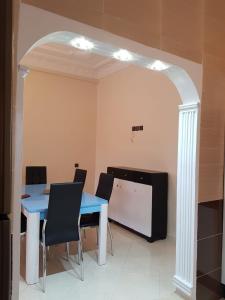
183	288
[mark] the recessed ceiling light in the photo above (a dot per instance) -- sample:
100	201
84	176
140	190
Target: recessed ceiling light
158	65
82	43
123	55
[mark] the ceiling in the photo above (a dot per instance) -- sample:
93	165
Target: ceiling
67	60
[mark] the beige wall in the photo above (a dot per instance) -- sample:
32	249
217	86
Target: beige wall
60	125
213	103
174	26
136	96
191	29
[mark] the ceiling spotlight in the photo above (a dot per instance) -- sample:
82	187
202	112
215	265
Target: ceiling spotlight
158	65
82	43
123	55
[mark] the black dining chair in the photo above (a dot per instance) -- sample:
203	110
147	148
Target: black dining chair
80	176
34	175
62	221
104	190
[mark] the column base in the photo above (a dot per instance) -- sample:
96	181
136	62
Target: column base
183	288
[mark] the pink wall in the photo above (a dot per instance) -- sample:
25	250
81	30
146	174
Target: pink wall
136	96
60	125
60	115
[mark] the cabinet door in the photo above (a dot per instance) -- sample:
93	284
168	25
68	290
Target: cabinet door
117	203
131	205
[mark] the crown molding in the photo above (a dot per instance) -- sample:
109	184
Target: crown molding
62	74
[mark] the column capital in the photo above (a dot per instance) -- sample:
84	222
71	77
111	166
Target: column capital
189	106
24	71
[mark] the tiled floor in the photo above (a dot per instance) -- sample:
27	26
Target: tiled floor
138	270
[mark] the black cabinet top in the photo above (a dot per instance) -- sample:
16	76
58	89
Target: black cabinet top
137	169
148	177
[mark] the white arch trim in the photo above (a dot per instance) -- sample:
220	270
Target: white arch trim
186	75
39	26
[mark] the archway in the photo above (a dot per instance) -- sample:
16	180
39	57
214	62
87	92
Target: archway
185	75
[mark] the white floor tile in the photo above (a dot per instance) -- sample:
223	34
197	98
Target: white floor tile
138	270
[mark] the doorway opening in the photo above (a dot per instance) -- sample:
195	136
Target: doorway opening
186	78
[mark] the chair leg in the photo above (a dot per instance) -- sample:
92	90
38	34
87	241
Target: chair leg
78	252
48	253
81	259
110	235
97	235
68	250
44	267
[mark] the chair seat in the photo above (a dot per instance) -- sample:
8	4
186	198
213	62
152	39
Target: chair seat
66	236
74	236
89	220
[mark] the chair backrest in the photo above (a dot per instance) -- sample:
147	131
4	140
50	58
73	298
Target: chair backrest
80	176
63	213
105	186
36	175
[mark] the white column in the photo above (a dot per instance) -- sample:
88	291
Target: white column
187	201
17	124
102	235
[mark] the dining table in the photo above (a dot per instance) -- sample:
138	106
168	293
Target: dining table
35	208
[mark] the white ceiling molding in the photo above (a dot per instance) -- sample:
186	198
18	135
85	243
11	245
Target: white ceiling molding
66	60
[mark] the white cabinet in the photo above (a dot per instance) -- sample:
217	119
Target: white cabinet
131	205
139	201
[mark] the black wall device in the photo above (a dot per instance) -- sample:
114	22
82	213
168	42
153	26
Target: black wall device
138	128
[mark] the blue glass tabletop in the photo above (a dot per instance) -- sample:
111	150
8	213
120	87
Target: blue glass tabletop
38	201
